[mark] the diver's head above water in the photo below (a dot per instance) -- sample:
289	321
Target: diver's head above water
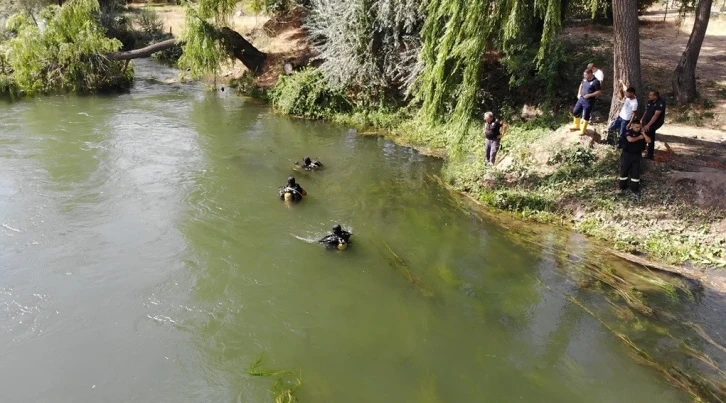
291	181
307	161
337	230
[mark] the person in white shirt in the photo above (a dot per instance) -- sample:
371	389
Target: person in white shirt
627	112
597	72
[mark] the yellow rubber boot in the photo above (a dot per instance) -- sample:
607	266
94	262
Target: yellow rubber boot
584	128
576	124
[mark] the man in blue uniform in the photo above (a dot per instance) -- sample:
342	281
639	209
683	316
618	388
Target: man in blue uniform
653	119
633	147
586	94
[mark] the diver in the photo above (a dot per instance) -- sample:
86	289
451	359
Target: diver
292	191
339	239
309	164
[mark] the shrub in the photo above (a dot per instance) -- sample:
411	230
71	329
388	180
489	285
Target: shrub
576	155
308	94
67	54
149	22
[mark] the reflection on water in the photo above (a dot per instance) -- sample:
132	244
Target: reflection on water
147	258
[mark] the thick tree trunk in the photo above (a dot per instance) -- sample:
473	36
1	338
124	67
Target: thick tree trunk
684	77
626	52
240	48
235	44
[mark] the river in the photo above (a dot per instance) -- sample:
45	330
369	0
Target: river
145	257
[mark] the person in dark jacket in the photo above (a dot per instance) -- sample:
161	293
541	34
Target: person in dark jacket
309	164
635	143
493	132
653	119
292	191
338	239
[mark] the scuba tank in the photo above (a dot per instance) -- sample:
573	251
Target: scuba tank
290	194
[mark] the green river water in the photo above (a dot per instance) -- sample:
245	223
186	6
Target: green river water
145	257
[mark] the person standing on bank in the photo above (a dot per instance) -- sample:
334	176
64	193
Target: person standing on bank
653	119
635	141
627	112
586	94
597	72
493	131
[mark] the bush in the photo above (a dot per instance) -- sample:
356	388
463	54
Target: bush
8	87
308	94
576	155
150	23
67	55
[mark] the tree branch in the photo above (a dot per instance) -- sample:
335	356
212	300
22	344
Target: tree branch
144	52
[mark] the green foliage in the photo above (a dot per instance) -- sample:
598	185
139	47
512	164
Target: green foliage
272	6
518	201
308	94
203	52
456	38
367	44
8	87
574	155
149	22
67	55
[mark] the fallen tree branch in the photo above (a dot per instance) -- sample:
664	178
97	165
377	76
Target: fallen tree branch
144	52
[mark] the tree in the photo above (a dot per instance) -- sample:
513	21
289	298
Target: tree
684	77
66	52
626	50
209	42
367	44
459	35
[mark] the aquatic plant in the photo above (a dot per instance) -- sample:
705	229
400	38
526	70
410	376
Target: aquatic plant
410	276
285	386
284	390
256	369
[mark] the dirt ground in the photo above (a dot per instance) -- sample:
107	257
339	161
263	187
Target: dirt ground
692	143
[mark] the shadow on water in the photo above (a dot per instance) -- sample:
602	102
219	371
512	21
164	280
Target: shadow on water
669	322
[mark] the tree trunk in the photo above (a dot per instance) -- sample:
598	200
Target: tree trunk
235	44
240	48
684	77
626	52
144	52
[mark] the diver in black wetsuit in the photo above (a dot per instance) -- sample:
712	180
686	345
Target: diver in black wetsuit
338	239
292	191
310	164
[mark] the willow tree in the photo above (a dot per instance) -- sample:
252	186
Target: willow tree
62	49
208	40
457	37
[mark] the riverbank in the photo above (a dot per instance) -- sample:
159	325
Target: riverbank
547	174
